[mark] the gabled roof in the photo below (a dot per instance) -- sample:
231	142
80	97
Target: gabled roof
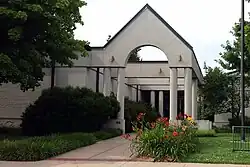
147	6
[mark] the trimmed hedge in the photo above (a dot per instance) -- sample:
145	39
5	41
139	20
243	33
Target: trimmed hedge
66	110
206	133
132	109
236	121
40	148
224	129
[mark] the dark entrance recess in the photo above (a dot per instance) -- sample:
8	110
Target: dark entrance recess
180	102
145	96
166	103
157	100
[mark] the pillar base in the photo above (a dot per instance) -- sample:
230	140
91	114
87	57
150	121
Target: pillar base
116	124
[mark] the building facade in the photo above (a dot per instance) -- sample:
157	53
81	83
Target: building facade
171	86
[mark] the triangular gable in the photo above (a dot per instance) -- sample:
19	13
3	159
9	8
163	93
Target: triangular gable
147	6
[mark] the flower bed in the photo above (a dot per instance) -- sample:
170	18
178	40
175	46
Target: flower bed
164	140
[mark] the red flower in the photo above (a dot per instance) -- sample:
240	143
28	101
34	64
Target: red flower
140	115
175	133
152	125
126	136
167	123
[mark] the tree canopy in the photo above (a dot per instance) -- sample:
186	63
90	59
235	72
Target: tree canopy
35	33
220	93
231	56
214	92
134	56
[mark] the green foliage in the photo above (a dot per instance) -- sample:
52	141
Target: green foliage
68	110
107	134
40	148
224	129
236	121
134	56
230	58
220	93
132	109
206	133
35	32
214	92
164	141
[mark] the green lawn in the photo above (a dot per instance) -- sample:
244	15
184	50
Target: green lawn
218	150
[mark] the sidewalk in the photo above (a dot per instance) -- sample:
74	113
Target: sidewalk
116	149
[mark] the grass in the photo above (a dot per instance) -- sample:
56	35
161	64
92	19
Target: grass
218	150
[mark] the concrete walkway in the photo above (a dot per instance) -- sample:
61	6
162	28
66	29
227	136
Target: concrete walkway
109	153
116	149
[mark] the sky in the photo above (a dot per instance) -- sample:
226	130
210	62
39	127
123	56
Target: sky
205	24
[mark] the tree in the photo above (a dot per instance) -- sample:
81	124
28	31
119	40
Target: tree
214	92
231	56
134	56
36	35
220	93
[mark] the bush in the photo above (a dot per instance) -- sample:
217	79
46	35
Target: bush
224	129
68	110
132	109
206	133
107	134
40	148
10	131
164	141
236	121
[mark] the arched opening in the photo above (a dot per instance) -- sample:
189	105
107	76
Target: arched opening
147	53
150	56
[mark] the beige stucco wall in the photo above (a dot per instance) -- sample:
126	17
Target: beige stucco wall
13	101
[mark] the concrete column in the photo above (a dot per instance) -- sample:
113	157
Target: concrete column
130	93
113	86
106	81
86	75
194	98
173	93
161	103
139	93
188	92
120	97
152	98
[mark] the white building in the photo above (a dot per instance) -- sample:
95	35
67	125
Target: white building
106	70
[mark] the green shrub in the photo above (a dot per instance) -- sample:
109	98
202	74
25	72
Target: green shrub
224	129
132	109
206	133
10	131
164	141
64	110
40	148
107	134
236	121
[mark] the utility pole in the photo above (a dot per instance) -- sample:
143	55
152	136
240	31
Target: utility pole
242	75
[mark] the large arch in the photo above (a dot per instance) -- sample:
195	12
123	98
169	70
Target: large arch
142	47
